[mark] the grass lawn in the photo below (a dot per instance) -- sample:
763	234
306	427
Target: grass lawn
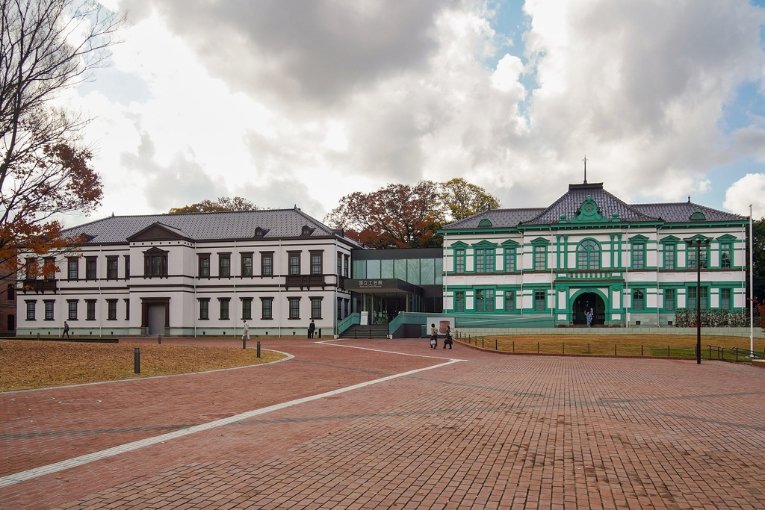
620	345
31	364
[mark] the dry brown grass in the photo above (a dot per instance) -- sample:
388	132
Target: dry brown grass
626	345
32	364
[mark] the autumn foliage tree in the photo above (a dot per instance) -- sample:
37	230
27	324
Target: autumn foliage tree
45	47
395	216
463	199
221	205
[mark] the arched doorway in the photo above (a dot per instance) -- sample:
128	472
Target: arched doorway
585	301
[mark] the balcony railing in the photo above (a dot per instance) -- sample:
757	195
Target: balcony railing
38	286
305	280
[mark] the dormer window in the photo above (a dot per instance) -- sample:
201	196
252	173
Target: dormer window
306	231
260	232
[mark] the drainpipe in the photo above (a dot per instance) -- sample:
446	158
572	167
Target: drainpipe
626	279
100	304
658	321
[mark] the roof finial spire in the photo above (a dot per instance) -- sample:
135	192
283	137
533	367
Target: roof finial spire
585	168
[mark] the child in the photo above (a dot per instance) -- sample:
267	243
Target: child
433	336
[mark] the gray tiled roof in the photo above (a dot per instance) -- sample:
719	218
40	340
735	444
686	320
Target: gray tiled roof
681	212
608	205
498	218
279	223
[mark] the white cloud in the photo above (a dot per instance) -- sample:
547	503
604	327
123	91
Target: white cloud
307	102
749	190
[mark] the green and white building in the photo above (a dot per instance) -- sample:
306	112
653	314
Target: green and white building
633	264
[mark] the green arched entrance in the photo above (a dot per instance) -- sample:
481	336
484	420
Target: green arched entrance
585	301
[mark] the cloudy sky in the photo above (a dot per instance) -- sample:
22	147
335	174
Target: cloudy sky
299	102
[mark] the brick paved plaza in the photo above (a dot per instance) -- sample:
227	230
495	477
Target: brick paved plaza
487	431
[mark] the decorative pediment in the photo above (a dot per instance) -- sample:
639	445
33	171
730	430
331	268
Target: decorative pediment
670	240
484	244
159	232
459	245
540	240
639	238
588	211
485	223
726	238
510	244
698	238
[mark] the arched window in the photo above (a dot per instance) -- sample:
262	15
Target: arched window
588	255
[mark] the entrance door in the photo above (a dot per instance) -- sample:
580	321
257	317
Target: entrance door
586	301
156	319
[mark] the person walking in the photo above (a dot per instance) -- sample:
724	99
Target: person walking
433	336
311	329
245	331
66	330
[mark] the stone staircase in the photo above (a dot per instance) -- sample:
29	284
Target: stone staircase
374	331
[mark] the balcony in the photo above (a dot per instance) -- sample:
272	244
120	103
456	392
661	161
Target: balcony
305	281
38	286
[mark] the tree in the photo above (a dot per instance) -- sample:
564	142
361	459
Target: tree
463	199
45	47
223	204
394	216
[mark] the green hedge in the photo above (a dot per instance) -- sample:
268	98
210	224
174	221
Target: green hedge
686	317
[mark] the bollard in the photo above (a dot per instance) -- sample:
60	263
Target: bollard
496	344
137	360
668	351
614	350
244	341
319	332
257	349
537	347
513	345
563	346
641	350
588	349
710	352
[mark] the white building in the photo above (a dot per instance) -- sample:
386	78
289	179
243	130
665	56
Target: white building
196	274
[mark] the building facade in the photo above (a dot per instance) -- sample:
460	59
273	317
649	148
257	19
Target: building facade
191	274
630	264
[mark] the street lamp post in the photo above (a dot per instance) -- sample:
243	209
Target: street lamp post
698	243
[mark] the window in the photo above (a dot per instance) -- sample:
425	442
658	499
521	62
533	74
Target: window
510	255
127	267
204	265
317	262
49	267
246	308
112	267
509	300
155	263
484	260
72	309
111	309
224	308
540	258
459	260
294	307
11	292
588	255
90	268
204	309
669	299
266	308
316	308
31	310
539	300
90	309
692	252
638	255
725	299
127	309
670	256
246	264
224	265
294	263
31	268
704	295
484	300
48	309
267	263
638	299
459	301
346	265
725	255
72	268
339	264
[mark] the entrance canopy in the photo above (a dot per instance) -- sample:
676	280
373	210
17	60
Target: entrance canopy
382	286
